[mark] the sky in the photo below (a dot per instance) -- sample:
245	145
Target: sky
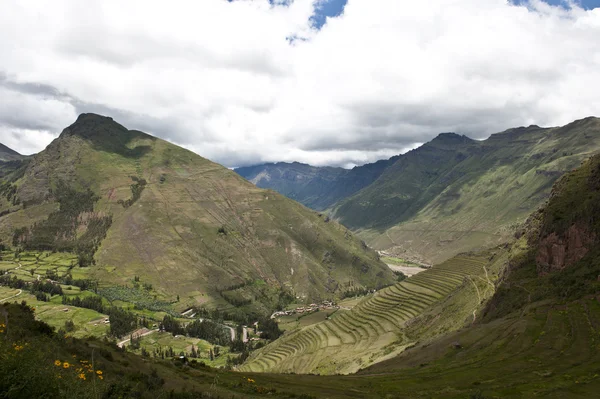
326	82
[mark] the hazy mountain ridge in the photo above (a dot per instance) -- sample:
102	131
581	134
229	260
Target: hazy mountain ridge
8	154
189	226
316	187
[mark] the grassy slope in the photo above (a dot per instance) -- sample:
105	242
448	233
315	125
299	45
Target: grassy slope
170	235
432	204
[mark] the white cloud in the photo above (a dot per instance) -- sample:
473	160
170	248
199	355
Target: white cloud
221	79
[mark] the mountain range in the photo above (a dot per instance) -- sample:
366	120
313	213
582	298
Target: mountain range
451	195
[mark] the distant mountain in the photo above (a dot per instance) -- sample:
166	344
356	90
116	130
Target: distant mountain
451	195
8	154
455	194
130	204
316	187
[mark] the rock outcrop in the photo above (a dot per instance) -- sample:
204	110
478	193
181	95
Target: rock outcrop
555	252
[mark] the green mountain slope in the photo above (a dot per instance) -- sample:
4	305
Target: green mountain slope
316	187
130	204
454	194
532	332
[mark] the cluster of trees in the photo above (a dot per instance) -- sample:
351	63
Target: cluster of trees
59	231
9	191
83	284
355	291
121	321
269	329
147	286
11	281
136	191
204	329
88	302
42	290
399	276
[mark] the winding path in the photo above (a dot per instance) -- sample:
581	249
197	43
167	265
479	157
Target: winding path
10	297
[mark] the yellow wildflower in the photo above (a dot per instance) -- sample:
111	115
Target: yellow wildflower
100	377
99	372
66	365
82	376
57	363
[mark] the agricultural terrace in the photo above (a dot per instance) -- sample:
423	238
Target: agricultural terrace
376	323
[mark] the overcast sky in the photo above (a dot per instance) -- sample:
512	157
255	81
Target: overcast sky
244	82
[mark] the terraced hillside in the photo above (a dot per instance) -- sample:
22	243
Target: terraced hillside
435	301
129	204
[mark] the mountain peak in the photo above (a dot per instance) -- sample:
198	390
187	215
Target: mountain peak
450	139
106	135
88	125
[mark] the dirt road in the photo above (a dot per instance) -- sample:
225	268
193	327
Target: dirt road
10	297
136	334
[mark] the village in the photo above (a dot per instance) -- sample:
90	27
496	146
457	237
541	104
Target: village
313	307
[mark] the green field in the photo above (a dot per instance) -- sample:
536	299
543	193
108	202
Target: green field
181	343
28	265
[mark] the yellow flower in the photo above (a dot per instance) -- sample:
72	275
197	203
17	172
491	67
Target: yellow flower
57	363
99	372
66	365
100	377
82	376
